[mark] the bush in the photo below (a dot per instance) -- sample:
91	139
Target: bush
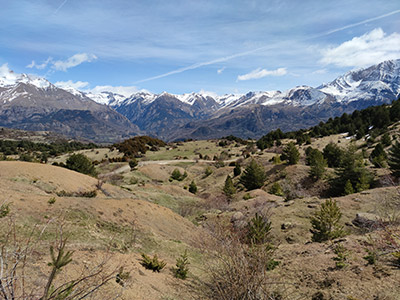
325	222
4	210
51	201
237	270
177	175
253	176
276	189
153	264
80	163
181	270
208	171
133	163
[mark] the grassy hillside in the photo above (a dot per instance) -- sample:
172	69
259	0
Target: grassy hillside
113	219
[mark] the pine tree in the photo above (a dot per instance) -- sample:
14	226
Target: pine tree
352	169
333	154
291	154
258	230
253	176
237	170
394	159
325	222
229	189
318	165
182	268
386	140
193	187
348	188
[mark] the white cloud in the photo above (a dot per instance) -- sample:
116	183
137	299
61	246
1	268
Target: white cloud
73	61
260	73
122	90
78	85
219	71
368	49
84	86
41	66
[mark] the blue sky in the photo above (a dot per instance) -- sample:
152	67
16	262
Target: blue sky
188	46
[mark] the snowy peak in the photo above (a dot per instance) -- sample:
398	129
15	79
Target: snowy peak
9	78
367	83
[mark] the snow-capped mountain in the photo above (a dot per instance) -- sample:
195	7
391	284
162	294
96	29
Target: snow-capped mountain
33	103
163	114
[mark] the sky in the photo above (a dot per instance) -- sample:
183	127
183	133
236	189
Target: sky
218	46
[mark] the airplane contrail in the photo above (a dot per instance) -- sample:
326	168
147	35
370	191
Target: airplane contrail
62	4
226	58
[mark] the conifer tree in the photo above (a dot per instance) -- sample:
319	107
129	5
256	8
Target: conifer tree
229	188
378	156
291	154
193	187
258	230
352	169
253	176
237	170
348	188
325	222
318	165
394	159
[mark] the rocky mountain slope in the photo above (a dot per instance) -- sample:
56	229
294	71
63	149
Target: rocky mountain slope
32	103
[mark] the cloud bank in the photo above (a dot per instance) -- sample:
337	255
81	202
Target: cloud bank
368	49
260	73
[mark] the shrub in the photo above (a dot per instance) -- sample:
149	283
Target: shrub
253	176
247	196
133	163
181	270
193	187
177	175
237	270
153	264
51	201
325	222
80	163
208	171
276	189
4	210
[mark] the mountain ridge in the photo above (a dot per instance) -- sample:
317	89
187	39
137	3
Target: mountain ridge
31	102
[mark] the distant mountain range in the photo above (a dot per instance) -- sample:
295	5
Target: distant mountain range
36	104
32	103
